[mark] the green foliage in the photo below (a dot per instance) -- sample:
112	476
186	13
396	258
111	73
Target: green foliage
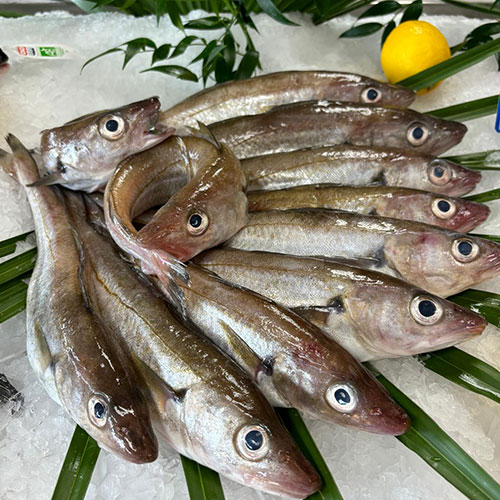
484	160
203	483
460	112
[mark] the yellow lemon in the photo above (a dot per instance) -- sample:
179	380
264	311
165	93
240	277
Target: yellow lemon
412	47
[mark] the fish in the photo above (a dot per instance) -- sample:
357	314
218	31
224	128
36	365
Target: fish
455	214
204	406
439	261
198	178
359	166
371	314
328	123
82	366
4	62
292	361
258	94
83	153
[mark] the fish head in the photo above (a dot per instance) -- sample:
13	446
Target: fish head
209	210
383	94
394	319
83	153
407	129
455	214
236	432
442	262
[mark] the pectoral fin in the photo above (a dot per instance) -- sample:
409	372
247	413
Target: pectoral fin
47	180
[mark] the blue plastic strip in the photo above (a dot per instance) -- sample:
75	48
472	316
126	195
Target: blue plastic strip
497	122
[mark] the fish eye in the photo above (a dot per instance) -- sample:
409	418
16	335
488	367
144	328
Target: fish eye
342	397
98	410
464	250
112	127
252	442
417	134
371	95
197	223
444	209
439	173
426	310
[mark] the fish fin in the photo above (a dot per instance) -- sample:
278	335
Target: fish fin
206	133
317	315
95	215
44	358
97	198
7	164
246	354
47	180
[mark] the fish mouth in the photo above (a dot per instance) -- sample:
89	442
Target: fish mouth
470	216
464	182
405	97
139	448
154	131
453	133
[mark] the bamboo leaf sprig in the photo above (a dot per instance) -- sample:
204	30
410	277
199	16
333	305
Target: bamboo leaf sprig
484	160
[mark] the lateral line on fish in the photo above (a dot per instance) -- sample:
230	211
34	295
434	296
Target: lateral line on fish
275	172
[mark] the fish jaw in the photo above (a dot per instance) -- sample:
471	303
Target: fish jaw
452	134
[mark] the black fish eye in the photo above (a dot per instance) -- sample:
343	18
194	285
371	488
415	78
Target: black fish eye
372	94
112	125
342	397
427	308
99	410
465	248
444	205
254	440
438	171
195	220
418	133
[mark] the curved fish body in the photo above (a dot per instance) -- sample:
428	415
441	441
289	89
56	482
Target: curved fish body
329	123
291	360
455	214
258	94
372	315
203	403
358	166
434	259
83	153
80	363
208	203
4	62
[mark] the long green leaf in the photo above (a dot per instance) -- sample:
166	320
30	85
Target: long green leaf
12	298
293	422
487	237
484	160
203	483
468	110
77	468
464	370
491	195
455	64
18	265
443	454
9	246
487	304
272	11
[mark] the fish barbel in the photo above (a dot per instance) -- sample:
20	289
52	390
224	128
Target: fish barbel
80	363
434	259
372	315
258	94
205	406
326	123
455	214
359	165
83	153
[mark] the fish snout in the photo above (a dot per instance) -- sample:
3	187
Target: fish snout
454	133
140	446
404	97
470	216
391	421
464	180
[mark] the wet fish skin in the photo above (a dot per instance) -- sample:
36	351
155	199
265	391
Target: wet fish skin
291	360
82	154
258	94
328	123
455	214
358	165
188	376
367	312
421	254
79	362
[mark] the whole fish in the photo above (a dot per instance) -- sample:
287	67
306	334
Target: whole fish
258	94
4	62
439	261
370	314
291	360
326	123
209	208
205	406
80	363
83	153
400	203
359	165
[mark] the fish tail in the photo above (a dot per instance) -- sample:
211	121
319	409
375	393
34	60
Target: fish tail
20	164
7	164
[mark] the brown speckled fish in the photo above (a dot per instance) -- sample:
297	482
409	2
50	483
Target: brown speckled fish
325	123
370	314
258	94
359	166
78	360
83	153
455	214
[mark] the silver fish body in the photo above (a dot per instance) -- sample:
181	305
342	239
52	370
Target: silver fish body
328	123
439	261
258	94
372	315
358	166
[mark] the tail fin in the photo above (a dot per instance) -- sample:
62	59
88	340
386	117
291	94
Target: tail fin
7	164
20	164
